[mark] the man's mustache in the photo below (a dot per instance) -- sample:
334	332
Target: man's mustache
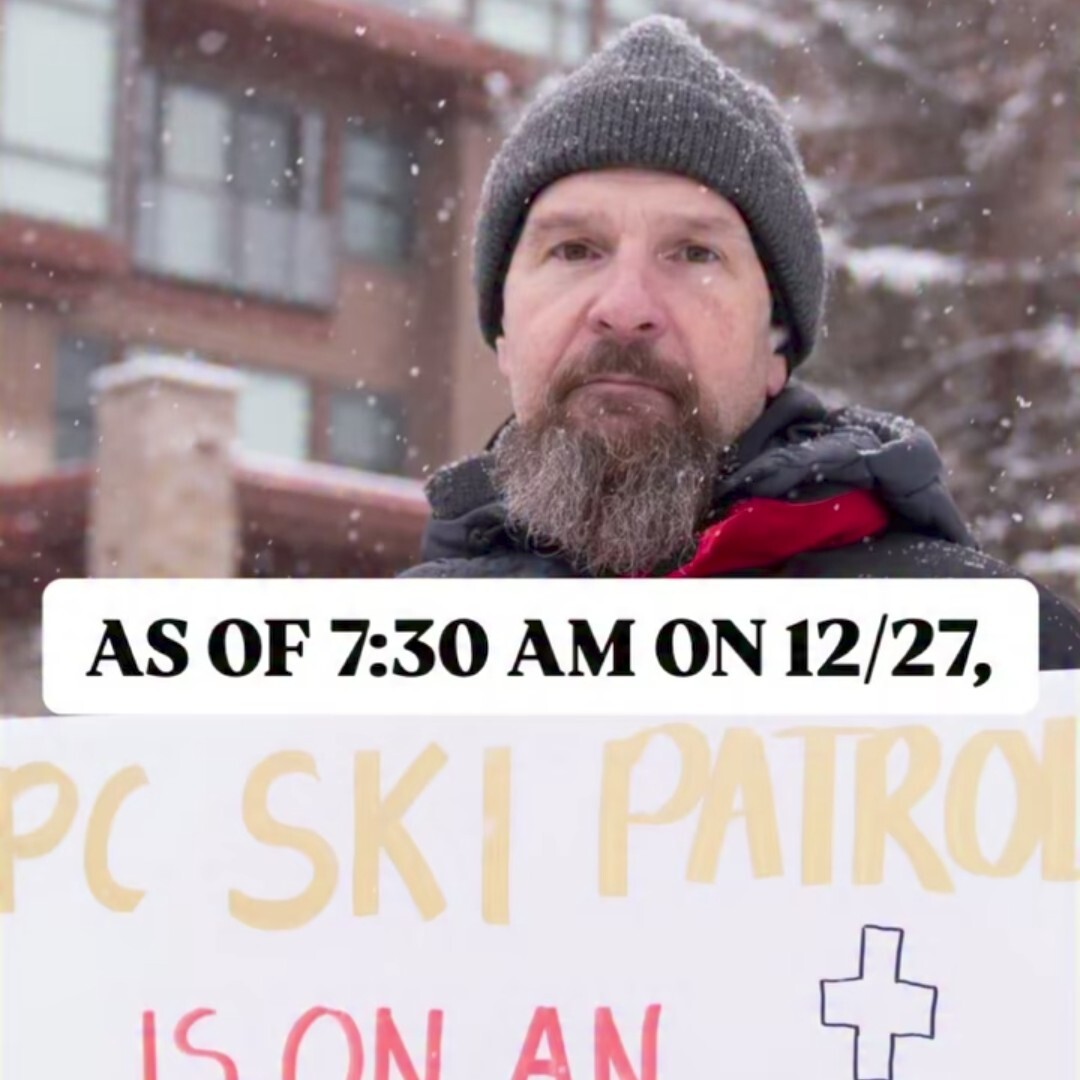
636	361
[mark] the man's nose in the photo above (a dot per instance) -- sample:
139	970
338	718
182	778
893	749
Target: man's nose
628	308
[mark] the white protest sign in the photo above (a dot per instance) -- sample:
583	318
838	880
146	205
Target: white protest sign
298	898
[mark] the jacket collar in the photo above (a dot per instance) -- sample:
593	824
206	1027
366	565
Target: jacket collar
797	449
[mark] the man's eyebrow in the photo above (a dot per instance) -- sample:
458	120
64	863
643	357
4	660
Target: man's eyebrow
571	221
704	223
567	221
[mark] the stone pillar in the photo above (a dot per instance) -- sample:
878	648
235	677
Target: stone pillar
20	666
163	502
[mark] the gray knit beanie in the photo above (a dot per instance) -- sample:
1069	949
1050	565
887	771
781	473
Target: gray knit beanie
656	98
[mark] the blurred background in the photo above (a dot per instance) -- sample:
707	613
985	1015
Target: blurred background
237	329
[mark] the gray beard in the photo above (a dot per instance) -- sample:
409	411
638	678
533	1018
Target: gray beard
616	504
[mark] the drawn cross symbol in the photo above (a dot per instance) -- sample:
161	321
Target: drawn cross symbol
878	1005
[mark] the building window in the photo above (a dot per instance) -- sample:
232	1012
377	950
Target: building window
231	193
560	29
274	414
377	199
58	61
73	402
367	431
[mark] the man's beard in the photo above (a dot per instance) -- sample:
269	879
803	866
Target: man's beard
616	497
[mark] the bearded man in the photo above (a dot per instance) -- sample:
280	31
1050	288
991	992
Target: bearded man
650	272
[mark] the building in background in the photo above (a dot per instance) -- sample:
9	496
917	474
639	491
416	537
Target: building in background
284	189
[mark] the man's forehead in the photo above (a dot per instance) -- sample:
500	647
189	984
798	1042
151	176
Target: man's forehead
603	196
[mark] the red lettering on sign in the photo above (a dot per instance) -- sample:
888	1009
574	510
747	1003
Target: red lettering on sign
545	1026
611	1052
390	1046
183	1030
300	1029
149	1045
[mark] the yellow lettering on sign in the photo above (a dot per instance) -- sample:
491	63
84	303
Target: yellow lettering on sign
880	813
1059	768
379	828
496	863
740	766
962	803
42	840
819	798
105	888
620	758
301	909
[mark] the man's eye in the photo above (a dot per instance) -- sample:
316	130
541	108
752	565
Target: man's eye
572	251
698	253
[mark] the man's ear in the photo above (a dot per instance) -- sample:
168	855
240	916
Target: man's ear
777	374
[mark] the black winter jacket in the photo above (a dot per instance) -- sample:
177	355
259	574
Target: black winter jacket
796	450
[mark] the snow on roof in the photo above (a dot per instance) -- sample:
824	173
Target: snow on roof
341	478
162	367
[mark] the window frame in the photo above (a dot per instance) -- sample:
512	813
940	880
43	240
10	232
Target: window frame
301	379
117	16
400	200
562	13
309	194
63	417
166	79
398	408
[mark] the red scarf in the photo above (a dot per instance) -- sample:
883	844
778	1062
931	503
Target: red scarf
763	532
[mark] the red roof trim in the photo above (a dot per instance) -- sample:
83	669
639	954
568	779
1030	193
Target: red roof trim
50	513
50	245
